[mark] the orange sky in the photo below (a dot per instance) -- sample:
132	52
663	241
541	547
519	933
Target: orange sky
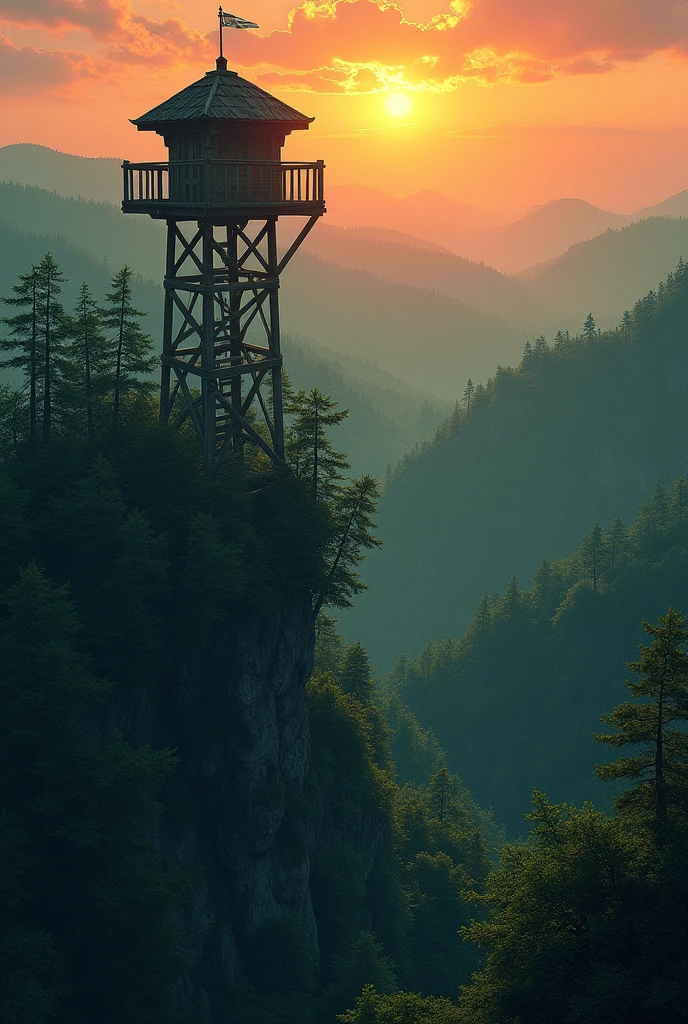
513	102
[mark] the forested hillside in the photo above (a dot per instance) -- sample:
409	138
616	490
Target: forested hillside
516	699
578	432
606	274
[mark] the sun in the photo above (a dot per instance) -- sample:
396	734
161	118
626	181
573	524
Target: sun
397	104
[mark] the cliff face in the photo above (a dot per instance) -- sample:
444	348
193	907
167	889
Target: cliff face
241	731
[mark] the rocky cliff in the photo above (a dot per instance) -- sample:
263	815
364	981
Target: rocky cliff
241	732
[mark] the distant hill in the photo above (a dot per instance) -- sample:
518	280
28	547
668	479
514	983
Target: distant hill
506	240
426	214
99	227
427	339
606	274
572	435
410	261
675	206
95	178
540	235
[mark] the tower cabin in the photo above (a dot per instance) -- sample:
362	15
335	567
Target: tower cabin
221	193
225	137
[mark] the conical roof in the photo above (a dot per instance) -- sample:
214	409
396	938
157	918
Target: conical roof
222	96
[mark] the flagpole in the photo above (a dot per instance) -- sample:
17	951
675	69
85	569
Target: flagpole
219	14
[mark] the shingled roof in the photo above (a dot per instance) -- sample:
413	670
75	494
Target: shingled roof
222	96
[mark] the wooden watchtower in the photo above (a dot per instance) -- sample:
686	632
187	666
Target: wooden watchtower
221	193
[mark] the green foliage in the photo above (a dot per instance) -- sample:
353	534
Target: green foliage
654	722
356	673
352	511
565	925
363	963
400	1008
310	452
130	355
87	924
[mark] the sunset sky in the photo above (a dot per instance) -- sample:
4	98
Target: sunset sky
498	103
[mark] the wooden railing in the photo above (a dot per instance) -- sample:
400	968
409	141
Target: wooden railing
224	183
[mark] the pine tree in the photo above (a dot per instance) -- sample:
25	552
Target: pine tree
441	789
54	330
626	326
353	509
468	393
85	359
513	599
310	451
131	356
593	556
590	328
654	722
23	336
356	674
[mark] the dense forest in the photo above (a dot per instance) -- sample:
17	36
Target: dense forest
515	700
579	432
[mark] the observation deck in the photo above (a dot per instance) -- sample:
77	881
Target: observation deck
222	190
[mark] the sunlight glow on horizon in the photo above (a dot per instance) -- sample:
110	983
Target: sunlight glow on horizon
398	104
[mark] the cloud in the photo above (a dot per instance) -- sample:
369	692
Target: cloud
364	45
27	71
99	17
126	37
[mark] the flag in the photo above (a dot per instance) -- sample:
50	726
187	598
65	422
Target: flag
233	21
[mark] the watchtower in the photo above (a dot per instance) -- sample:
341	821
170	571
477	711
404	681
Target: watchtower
221	194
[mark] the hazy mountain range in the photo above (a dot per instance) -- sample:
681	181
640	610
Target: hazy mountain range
508	241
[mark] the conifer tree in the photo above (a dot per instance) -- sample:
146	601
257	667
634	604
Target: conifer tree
512	600
593	556
37	332
468	393
85	359
356	674
22	335
441	789
130	356
654	723
310	451
353	508
54	329
590	328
